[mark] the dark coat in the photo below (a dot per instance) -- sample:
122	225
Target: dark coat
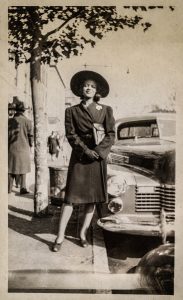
87	180
53	144
20	138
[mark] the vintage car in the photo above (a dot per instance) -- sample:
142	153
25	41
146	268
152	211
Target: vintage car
156	270
141	177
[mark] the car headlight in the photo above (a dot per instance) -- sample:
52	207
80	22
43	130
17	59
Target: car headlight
116	186
115	205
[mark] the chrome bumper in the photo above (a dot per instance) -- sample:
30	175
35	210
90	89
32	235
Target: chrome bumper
128	225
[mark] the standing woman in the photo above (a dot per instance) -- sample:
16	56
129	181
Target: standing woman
90	132
52	145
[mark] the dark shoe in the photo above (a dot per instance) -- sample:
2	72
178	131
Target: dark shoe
23	191
84	243
56	247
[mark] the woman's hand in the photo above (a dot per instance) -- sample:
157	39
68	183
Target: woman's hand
92	154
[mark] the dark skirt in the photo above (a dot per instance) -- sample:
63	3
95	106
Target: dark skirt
86	181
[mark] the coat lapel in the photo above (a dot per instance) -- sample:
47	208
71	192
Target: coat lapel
93	114
83	108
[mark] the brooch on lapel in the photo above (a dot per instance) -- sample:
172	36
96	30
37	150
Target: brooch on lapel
98	107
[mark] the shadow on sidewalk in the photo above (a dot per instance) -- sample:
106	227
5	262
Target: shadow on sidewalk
33	226
28	196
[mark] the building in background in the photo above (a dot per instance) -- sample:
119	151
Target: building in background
70	99
53	90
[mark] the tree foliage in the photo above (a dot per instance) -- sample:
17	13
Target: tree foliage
62	31
41	34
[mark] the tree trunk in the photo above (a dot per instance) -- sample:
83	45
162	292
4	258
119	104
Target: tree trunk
40	136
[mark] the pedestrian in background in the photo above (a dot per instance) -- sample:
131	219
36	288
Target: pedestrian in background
11	112
53	145
20	139
90	131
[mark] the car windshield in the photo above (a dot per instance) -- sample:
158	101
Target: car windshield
139	129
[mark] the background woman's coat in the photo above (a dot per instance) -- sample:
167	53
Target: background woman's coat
53	143
19	141
87	179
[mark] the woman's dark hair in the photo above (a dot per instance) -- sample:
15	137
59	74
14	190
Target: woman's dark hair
97	97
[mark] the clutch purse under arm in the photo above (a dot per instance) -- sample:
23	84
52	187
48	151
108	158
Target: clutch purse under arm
99	132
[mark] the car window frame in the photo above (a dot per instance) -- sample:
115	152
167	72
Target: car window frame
122	125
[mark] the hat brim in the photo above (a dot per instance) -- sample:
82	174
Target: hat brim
79	78
21	108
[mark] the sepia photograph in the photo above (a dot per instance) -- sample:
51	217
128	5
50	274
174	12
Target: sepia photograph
91	122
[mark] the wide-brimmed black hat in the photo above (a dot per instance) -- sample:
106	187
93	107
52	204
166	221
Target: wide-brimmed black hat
79	78
20	106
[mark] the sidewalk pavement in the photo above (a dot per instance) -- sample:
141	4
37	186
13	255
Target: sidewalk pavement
33	267
30	240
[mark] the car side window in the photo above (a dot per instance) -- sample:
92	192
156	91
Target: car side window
139	129
124	132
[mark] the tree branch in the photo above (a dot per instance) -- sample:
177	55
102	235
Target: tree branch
61	26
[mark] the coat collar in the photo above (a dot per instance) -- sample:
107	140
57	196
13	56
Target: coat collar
83	107
17	114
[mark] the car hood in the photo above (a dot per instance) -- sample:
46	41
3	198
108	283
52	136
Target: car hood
156	161
131	177
144	145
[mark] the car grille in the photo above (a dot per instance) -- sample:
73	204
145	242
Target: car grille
162	197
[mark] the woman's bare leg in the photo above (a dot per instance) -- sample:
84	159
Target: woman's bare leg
64	219
89	212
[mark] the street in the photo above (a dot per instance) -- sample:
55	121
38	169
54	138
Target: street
125	251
